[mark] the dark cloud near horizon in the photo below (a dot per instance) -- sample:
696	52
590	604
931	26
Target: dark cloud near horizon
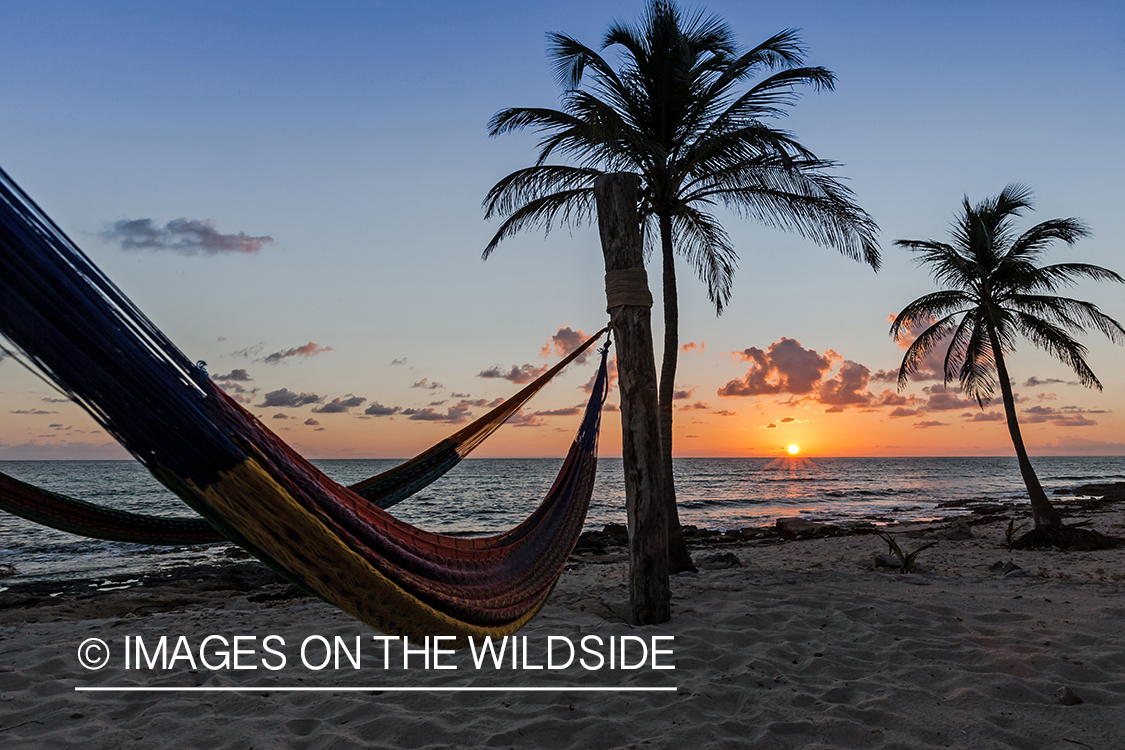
425	383
184	236
1034	382
285	398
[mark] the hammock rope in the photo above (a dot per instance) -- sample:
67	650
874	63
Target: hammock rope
84	334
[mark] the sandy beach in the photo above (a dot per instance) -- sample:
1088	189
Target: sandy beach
777	643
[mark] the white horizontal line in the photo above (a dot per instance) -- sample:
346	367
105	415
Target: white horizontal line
376	688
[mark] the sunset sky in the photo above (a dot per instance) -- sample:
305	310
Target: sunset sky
292	192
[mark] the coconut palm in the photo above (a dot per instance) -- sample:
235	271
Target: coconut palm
993	292
684	112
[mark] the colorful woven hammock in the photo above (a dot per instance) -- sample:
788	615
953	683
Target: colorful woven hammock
384	490
82	332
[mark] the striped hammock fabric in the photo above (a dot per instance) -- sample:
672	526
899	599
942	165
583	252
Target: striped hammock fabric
82	333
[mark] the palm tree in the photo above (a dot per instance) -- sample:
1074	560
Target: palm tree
684	113
995	292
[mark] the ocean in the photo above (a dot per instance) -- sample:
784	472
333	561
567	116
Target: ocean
483	496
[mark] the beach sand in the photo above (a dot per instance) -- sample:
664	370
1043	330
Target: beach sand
802	644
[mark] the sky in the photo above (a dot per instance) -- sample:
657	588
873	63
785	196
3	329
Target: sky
292	192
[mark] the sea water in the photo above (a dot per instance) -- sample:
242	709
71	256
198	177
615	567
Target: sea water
486	496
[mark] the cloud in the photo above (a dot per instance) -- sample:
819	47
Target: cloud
1072	445
986	416
32	411
49	400
679	395
279	415
240	375
942	398
564	342
250	351
692	346
785	367
398	361
378	410
286	398
725	413
1034	382
519	374
185	236
1067	416
306	350
924	425
453	415
339	406
519	419
787	419
847	388
312	422
425	383
770	426
902	411
697	406
568	411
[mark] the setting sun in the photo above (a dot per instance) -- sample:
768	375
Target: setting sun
793	450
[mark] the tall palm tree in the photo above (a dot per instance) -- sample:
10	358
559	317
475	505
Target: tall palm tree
993	293
684	112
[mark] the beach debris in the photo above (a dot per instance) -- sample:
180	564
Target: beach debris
7	571
906	559
958	531
720	561
1004	567
791	525
1068	697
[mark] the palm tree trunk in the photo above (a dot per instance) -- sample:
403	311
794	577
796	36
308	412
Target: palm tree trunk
1042	511
679	560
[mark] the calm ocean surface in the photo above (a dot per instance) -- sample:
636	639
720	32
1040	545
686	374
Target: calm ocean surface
490	495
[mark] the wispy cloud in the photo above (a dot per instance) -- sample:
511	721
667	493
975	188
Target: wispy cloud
425	383
184	236
518	374
310	349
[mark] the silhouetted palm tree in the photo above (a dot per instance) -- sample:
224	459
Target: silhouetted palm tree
683	112
993	293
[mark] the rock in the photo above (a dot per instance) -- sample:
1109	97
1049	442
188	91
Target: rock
887	560
721	561
794	525
958	531
1068	697
7	571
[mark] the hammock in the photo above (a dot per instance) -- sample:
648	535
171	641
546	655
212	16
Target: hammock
84	334
83	518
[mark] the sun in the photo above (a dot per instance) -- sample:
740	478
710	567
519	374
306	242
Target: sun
794	450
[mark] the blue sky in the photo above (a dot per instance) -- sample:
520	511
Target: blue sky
354	136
